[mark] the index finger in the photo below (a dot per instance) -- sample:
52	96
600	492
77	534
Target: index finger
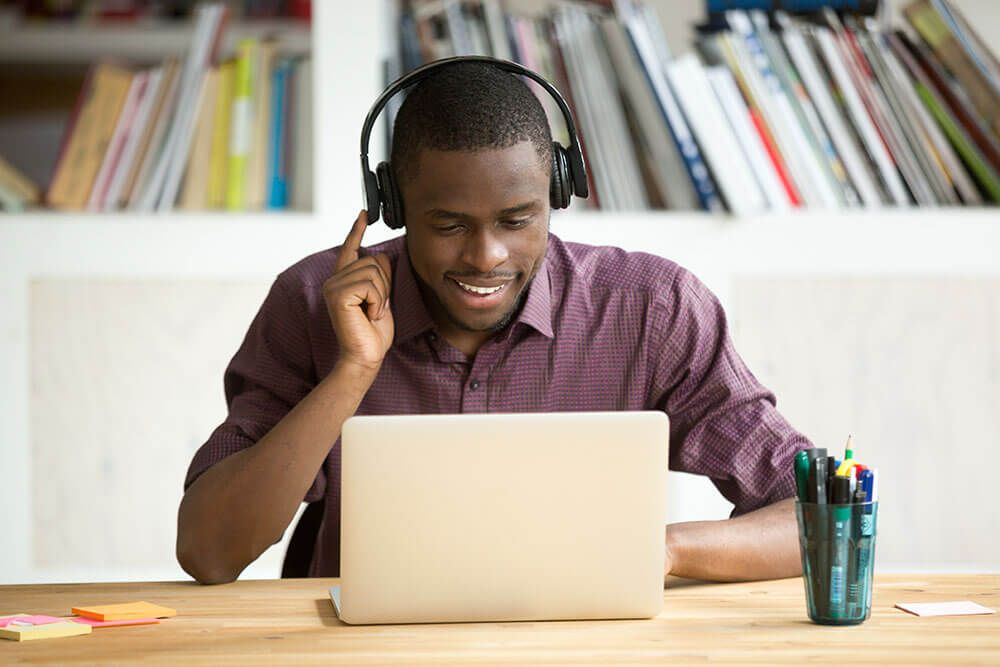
349	251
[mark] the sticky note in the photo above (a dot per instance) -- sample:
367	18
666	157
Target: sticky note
4	620
28	619
21	633
944	608
94	623
122	612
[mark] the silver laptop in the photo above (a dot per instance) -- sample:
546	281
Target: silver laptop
546	516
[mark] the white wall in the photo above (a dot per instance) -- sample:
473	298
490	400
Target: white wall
114	337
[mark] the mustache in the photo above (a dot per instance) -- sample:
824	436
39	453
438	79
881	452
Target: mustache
483	276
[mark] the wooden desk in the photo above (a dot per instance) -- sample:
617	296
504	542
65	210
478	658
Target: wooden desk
280	622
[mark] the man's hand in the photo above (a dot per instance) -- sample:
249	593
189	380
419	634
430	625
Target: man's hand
357	298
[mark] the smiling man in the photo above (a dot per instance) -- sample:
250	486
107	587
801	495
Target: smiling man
478	308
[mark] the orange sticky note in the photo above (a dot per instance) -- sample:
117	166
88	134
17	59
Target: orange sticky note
127	611
94	623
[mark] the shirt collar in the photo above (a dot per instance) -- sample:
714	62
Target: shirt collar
412	318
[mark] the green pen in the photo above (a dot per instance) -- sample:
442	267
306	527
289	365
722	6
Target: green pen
801	474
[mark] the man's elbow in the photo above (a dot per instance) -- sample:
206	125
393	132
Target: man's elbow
203	568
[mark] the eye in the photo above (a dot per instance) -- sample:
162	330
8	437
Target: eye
447	229
519	222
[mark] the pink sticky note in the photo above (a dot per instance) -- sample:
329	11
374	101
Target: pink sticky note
29	620
963	608
93	622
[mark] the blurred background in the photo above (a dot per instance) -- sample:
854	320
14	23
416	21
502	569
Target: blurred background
127	282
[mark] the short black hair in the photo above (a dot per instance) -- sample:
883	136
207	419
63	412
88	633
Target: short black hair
468	106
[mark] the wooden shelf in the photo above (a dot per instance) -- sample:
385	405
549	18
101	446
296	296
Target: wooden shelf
83	43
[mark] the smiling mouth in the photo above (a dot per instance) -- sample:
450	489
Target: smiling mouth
480	290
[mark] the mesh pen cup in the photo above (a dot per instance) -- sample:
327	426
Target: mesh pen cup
837	546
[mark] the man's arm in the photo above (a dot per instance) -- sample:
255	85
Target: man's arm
242	504
762	544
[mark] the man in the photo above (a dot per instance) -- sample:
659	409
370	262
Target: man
478	308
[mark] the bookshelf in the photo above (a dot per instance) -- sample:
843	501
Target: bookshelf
147	42
34	246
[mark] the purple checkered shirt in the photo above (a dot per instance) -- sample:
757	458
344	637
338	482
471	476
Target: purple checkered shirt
600	329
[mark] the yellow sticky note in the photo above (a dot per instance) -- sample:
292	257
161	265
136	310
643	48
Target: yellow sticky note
121	612
22	633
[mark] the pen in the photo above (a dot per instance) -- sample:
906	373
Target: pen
866	482
831	470
816	481
841	497
855	565
801	467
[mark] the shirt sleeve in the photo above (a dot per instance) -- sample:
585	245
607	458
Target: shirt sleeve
271	372
723	423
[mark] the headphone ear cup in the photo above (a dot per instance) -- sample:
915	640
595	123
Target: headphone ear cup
560	185
371	196
392	204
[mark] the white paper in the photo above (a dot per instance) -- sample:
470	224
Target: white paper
945	608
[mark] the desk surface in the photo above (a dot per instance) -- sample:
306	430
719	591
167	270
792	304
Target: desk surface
278	622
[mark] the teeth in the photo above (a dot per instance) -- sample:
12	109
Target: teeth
478	290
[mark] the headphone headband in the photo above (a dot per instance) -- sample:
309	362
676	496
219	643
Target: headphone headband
575	155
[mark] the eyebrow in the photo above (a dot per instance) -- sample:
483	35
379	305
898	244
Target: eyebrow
513	210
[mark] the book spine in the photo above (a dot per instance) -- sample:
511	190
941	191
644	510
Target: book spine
240	125
278	191
220	136
705	187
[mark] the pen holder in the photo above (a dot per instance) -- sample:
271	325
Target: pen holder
837	546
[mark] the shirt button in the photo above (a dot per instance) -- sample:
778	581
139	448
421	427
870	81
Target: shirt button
474	385
432	336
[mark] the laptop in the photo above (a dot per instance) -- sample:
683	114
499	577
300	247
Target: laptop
502	517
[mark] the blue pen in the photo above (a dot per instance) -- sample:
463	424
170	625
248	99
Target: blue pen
867	484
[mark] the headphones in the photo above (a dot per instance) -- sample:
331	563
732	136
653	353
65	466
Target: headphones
569	174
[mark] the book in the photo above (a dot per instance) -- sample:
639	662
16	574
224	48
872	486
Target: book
220	135
241	124
194	195
750	141
104	94
652	63
921	151
257	161
979	168
925	18
668	170
824	152
722	51
715	136
858	114
301	195
869	7
17	184
807	169
887	125
116	145
277	195
948	160
151	143
161	192
127	164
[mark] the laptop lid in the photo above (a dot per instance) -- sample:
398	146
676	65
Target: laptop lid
538	516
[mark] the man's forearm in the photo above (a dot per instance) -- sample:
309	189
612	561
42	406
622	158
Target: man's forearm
762	544
242	505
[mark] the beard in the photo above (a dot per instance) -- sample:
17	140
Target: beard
430	295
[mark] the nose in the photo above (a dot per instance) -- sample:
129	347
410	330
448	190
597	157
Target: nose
484	251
